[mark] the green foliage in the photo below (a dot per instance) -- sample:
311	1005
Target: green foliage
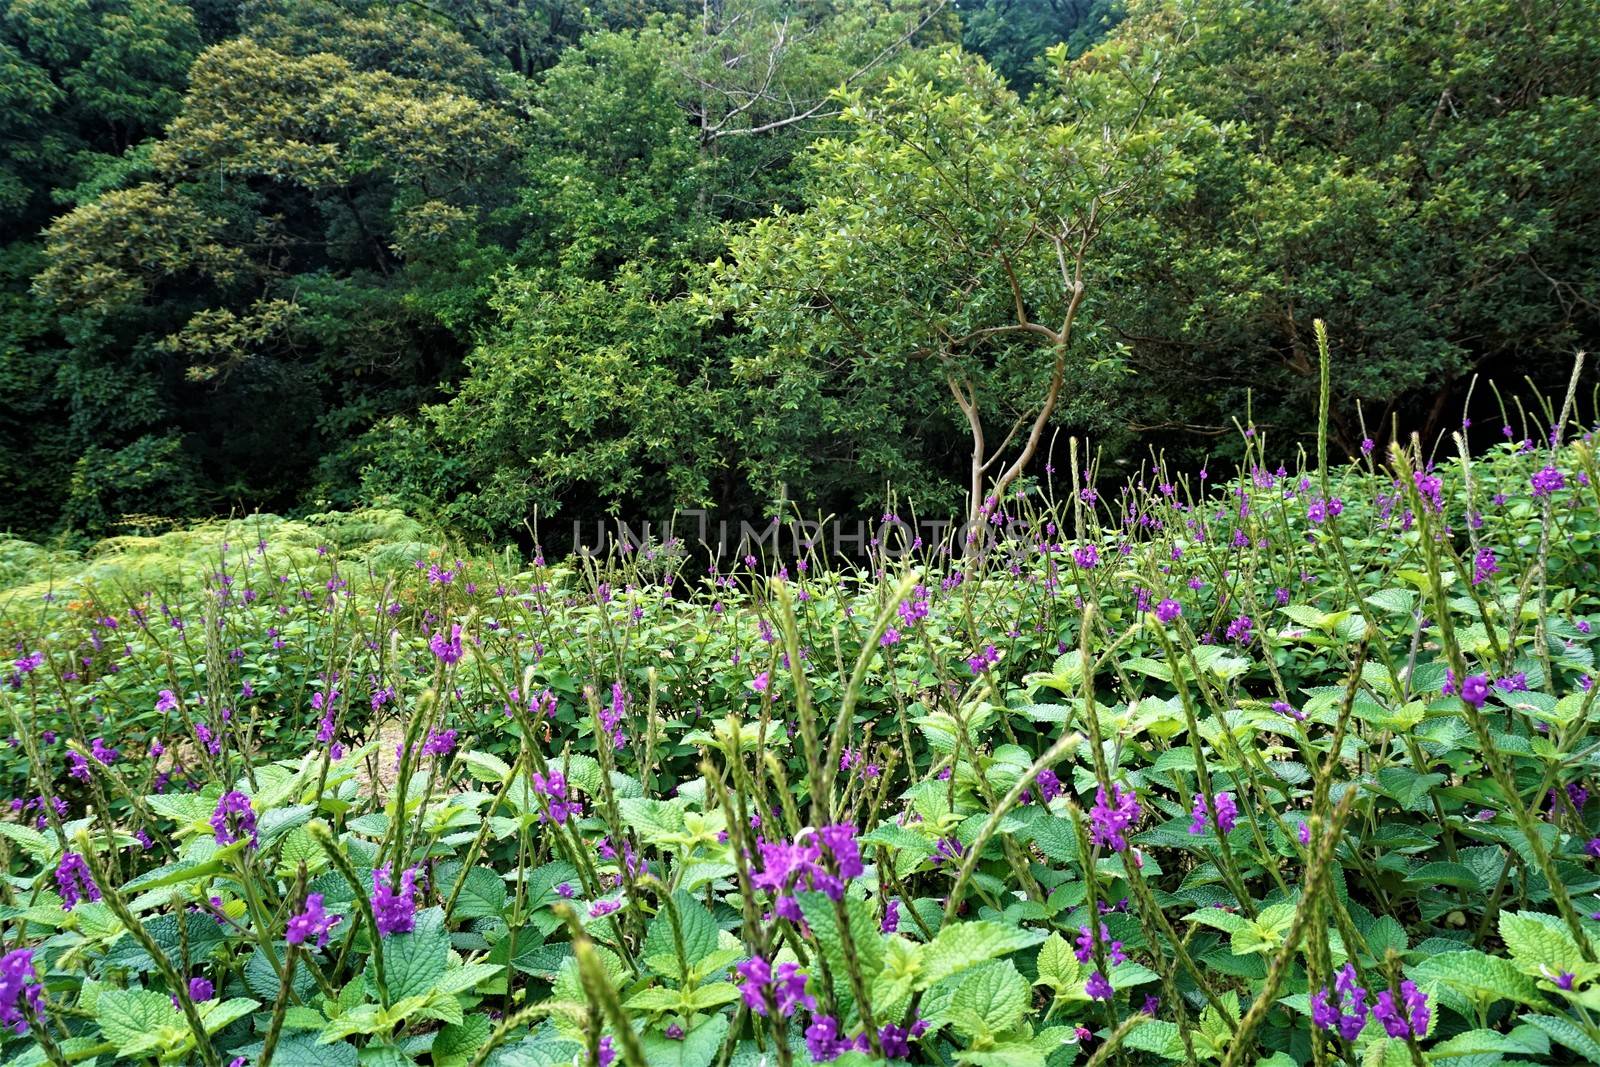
1014	35
605	818
1415	175
449	246
950	240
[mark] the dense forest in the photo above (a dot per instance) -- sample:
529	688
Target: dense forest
479	259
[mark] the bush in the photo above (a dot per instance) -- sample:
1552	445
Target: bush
1289	766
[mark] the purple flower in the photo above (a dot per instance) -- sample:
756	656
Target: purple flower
1475	690
891	917
168	701
1098	987
611	718
395	912
1431	488
449	651
765	991
313	924
1548	480
1226	813
74	881
201	989
984	660
602	908
1085	947
1484	566
102	752
18	982
1285	708
1111	817
554	787
234	819
1344	1007
439	742
824	1041
1241	630
1319	511
1413	1022
895	1040
1086	557
1168	610
1049	785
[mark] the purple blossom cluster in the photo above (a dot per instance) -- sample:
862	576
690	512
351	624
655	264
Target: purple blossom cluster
1344	1008
1113	816
19	987
312	924
768	990
234	819
558	806
74	881
1224	812
823	860
394	909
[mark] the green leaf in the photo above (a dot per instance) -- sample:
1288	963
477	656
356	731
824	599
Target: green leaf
415	961
657	822
963	945
1265	932
486	767
461	979
696	926
137	1020
482	895
300	1050
819	912
697	1048
1157	1036
1538	942
1478	976
31	841
1567	1033
217	1014
990	1000
1057	965
458	1042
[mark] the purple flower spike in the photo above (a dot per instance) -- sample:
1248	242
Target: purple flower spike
313	924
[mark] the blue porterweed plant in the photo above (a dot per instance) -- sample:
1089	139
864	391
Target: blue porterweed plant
1290	765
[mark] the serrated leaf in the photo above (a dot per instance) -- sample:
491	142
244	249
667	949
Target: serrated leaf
963	945
1478	976
415	961
990	1000
134	1020
1539	944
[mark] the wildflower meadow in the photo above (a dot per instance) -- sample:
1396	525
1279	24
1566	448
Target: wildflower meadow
1274	765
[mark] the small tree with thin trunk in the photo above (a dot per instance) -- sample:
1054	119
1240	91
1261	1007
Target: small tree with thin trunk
952	230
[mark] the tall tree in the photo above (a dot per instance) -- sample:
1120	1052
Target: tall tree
315	233
597	387
1420	176
951	237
